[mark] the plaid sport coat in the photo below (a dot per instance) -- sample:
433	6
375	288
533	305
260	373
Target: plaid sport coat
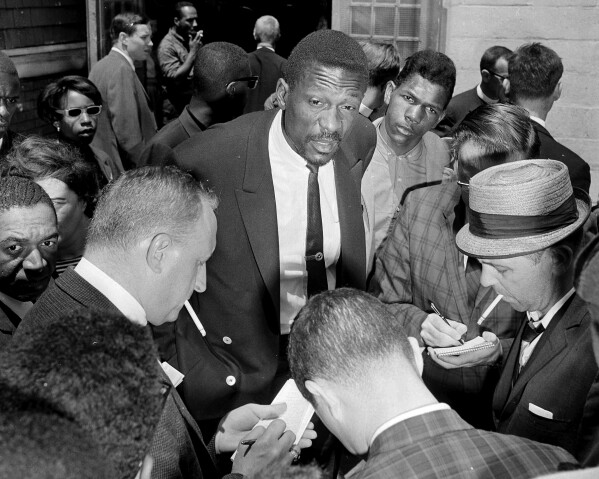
439	444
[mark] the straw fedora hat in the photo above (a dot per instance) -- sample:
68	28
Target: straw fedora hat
521	207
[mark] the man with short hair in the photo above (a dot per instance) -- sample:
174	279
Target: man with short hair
28	246
490	90
354	363
153	231
177	52
535	73
290	222
265	62
407	154
10	89
419	264
549	374
126	123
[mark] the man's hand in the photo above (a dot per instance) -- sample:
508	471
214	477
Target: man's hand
435	332
270	450
195	43
475	358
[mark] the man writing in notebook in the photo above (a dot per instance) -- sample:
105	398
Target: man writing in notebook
420	264
525	229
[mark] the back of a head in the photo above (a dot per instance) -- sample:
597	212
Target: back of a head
436	67
18	192
491	55
342	336
125	23
328	48
7	66
52	96
534	71
216	65
500	133
144	202
98	369
384	62
267	29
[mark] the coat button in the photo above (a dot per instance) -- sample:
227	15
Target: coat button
231	380
227	340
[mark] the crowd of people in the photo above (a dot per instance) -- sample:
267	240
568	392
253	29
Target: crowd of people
424	266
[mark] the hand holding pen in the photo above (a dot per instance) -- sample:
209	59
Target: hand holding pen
438	331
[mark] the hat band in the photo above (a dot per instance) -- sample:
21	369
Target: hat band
487	225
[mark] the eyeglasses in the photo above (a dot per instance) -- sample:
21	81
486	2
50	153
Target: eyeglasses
252	81
503	77
91	110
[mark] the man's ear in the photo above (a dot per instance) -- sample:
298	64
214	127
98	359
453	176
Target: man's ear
324	397
157	251
389	87
562	258
485	75
176	21
123	38
557	93
506	86
282	91
417	350
231	89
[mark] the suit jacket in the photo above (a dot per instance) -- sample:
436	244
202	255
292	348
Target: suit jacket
559	377
419	263
9	321
580	172
459	106
439	444
237	360
269	67
126	123
178	448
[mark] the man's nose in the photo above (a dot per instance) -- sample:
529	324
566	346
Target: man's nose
330	120
200	285
486	277
34	261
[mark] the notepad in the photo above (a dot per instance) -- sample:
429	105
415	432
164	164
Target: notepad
297	415
475	344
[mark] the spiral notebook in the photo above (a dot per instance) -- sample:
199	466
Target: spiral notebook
473	345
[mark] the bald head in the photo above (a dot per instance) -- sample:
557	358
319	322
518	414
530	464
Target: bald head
267	29
10	89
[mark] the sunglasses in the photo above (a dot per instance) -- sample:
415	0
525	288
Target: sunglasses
91	110
252	81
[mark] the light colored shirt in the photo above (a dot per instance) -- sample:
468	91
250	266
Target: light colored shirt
290	179
389	176
365	111
527	348
485	98
407	415
538	120
20	308
265	45
115	293
129	60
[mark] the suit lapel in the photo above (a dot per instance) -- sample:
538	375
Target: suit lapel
9	320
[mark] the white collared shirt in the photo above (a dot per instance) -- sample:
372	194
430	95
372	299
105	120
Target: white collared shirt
129	60
527	348
265	45
115	293
407	415
290	181
20	308
538	120
365	111
485	98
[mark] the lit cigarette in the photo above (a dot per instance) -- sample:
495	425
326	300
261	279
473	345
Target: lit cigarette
489	309
195	318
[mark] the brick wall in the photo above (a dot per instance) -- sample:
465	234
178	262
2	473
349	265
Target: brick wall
570	27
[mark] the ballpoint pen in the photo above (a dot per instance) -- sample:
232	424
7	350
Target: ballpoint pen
438	313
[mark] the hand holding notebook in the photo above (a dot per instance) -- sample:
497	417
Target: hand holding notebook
476	352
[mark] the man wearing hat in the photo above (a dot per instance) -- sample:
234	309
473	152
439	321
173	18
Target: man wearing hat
524	227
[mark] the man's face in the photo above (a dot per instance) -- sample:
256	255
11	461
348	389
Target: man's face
28	244
187	25
139	44
415	107
319	110
10	88
495	83
80	129
184	271
526	285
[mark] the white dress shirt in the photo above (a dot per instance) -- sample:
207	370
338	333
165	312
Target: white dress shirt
538	120
485	98
115	293
290	180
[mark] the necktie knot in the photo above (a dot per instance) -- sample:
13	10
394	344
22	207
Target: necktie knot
531	331
313	168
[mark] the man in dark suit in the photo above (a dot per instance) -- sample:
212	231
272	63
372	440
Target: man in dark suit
490	90
265	62
152	232
531	264
352	360
29	240
10	89
259	166
419	263
535	73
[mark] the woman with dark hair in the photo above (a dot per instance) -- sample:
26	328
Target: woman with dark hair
72	105
70	181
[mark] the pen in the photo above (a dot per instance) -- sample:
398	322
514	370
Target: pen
195	318
489	309
247	442
444	319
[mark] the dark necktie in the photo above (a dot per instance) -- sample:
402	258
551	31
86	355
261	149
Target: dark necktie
530	332
315	267
473	271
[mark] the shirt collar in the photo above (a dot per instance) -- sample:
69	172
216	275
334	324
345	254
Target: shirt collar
265	45
20	308
538	120
485	98
115	293
365	111
174	33
407	415
415	152
535	316
127	57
